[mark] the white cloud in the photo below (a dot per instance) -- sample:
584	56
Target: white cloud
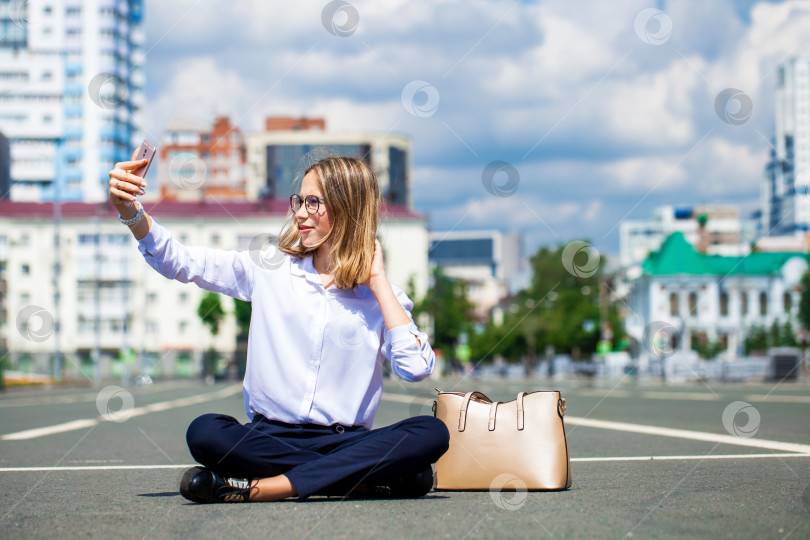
615	114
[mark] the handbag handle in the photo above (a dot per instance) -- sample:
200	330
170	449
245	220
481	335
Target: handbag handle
462	415
519	402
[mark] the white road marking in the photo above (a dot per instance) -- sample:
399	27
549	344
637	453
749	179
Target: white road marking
655	430
137	411
573	460
778	399
85	397
96	468
688	434
674	458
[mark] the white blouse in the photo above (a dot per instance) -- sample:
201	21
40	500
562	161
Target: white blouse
314	355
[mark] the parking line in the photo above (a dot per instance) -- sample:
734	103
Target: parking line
573	460
688	434
654	430
137	411
675	458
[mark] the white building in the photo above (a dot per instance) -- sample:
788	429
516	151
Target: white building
72	78
713	297
276	157
109	298
786	192
490	262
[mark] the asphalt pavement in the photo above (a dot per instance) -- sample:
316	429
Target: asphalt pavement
649	460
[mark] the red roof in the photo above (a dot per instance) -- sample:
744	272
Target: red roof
174	209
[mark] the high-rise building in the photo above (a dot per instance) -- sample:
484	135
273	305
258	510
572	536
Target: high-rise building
5	167
72	78
201	162
786	196
277	156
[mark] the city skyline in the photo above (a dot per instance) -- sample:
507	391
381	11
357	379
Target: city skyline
602	112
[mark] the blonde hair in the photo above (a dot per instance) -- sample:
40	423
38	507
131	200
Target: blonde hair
352	196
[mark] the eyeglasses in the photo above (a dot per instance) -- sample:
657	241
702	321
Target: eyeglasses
311	202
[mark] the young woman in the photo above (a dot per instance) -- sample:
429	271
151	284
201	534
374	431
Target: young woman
324	317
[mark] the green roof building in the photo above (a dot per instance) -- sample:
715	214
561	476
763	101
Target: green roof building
697	296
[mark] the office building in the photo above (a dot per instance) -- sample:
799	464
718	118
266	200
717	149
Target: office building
786	192
202	162
72	78
278	156
490	263
5	167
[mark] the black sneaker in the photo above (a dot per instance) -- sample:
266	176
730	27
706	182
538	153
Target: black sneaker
203	485
412	485
404	486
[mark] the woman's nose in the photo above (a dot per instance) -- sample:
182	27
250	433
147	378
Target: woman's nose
302	212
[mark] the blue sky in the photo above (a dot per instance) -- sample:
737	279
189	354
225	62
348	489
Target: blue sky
605	110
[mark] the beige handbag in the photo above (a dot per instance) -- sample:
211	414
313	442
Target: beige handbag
515	445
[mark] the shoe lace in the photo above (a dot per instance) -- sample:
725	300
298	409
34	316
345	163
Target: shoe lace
238	483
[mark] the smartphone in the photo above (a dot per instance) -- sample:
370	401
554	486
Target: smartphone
146	151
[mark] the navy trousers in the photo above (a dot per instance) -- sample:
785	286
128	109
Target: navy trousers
316	459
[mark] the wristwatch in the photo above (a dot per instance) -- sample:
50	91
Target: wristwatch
134	220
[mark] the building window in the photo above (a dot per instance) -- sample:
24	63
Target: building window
693	304
214	239
151	327
724	303
151	298
25	299
182	327
787	302
183	297
763	303
673	304
26	269
744	302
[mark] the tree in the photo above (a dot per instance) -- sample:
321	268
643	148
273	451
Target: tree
211	313
804	301
562	309
242	311
447	304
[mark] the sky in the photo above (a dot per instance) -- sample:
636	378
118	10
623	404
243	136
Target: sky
558	118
